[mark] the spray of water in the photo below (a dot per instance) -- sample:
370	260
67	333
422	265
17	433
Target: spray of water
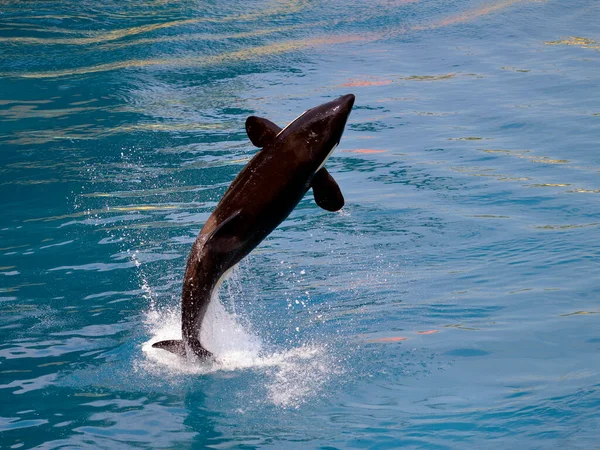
290	376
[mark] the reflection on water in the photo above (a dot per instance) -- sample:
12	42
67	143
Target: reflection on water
578	41
286	9
453	301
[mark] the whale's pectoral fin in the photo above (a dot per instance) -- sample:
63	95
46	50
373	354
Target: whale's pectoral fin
173	346
261	131
326	191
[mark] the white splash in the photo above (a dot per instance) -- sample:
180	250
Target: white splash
292	375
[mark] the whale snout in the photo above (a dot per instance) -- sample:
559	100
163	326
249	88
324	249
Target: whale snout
341	108
347	100
343	105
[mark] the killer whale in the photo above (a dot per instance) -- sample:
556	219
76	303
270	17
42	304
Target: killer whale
290	162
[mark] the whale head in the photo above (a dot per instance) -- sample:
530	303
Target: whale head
314	135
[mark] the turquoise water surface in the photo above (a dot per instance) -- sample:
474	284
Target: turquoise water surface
453	303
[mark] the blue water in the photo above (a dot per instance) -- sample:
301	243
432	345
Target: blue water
453	303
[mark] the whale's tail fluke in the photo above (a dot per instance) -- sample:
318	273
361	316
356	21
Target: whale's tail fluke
178	347
173	346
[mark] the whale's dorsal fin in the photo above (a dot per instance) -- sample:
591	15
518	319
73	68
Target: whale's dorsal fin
224	238
261	131
326	191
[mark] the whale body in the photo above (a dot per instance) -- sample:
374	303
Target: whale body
265	192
